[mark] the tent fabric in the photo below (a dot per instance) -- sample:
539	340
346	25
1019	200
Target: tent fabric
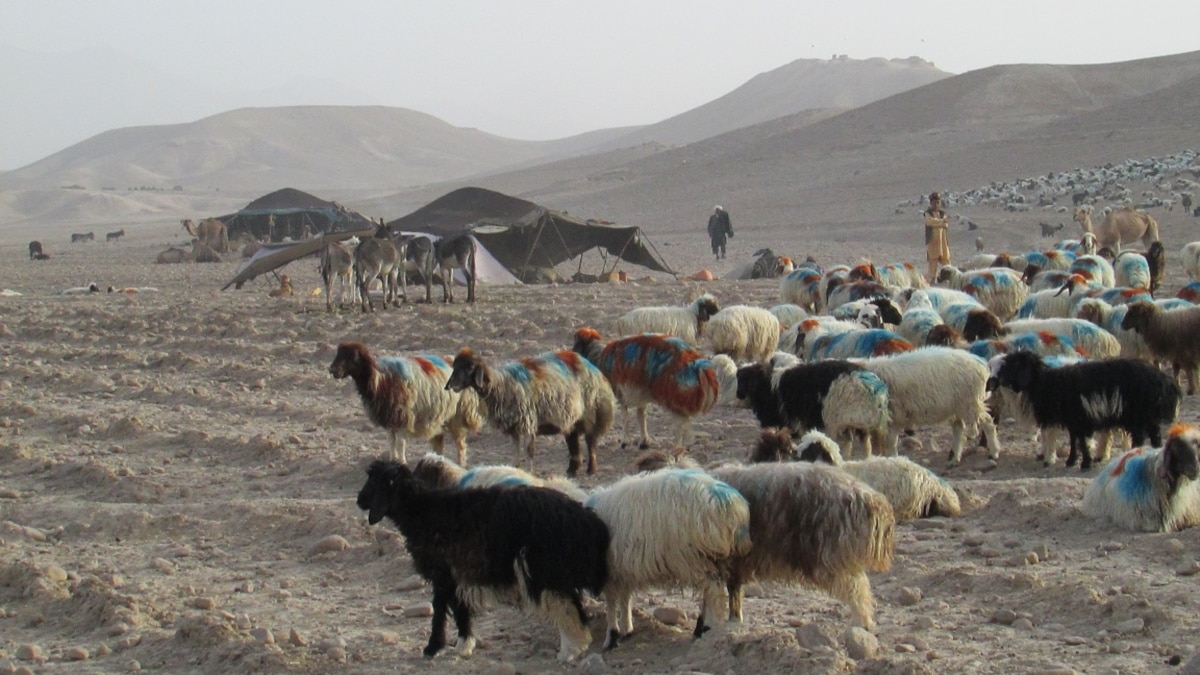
294	212
523	235
488	269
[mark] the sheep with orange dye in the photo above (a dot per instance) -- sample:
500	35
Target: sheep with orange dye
1151	489
406	395
553	393
650	368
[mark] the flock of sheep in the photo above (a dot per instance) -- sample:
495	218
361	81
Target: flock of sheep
854	357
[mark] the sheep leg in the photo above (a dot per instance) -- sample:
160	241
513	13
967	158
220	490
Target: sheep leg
989	435
593	440
462	621
624	426
459	434
683	432
443	594
711	602
567	615
736	595
574	452
958	430
641	413
855	591
893	440
618	610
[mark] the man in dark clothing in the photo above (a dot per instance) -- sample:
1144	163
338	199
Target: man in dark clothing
719	228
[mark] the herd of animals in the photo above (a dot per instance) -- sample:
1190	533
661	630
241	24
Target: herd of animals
853	359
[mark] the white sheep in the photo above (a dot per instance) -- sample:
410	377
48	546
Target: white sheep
743	332
1150	489
1109	318
936	385
685	322
726	371
788	313
438	471
669	528
820	343
1093	340
913	490
812	525
918	319
1132	270
1095	269
791	340
999	289
1189	255
560	390
803	287
1051	303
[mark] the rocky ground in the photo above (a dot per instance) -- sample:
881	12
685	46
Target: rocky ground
178	473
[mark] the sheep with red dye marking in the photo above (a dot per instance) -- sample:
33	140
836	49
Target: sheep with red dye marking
437	471
1042	343
530	546
406	396
820	343
1090	339
1095	269
1170	335
1104	315
553	393
686	323
999	289
815	526
1151	489
1052	303
971	320
913	491
1190	292
669	528
803	287
658	369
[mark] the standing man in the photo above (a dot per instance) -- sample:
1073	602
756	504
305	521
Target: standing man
937	240
719	228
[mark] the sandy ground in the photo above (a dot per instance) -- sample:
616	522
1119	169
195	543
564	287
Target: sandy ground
174	463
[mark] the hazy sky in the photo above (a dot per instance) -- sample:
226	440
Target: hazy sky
530	69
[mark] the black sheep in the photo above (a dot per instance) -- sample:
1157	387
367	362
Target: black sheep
466	541
1092	396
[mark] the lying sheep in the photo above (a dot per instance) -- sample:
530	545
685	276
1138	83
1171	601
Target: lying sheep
686	323
1151	489
530	544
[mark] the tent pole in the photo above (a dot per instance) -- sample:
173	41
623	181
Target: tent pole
660	257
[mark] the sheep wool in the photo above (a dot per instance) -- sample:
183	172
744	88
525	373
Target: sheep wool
745	333
436	471
1150	489
670	527
686	323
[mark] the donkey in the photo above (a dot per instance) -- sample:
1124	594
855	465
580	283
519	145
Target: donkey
114	236
337	263
418	259
376	258
89	236
457	252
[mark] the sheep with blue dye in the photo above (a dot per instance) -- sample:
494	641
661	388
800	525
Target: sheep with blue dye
653	369
670	528
815	526
745	333
821	343
1095	269
802	287
1043	343
437	471
1091	396
556	392
918	319
1104	315
406	396
1092	340
531	546
788	313
971	320
686	323
1054	303
936	385
913	491
999	289
1151	489
837	396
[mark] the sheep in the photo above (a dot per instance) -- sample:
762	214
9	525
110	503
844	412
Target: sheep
1043	343
556	392
840	293
1039	280
918	319
1150	489
1091	339
1189	255
972	320
91	287
1190	292
1095	269
939	297
1131	269
531	545
405	395
1051	303
670	527
659	369
802	287
437	471
821	343
788	313
743	332
883	309
726	372
913	491
936	385
902	275
999	289
1171	336
686	323
1109	318
1052	260
842	398
812	525
1091	396
792	339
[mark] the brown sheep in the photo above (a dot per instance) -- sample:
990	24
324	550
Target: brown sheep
1170	335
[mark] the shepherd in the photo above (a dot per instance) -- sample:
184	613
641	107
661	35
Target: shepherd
719	229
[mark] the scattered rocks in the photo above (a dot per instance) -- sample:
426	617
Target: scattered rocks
1134	625
76	654
1188	569
296	639
29	652
163	565
1004	617
333	543
860	644
411	583
908	596
812	637
421	609
202	602
263	635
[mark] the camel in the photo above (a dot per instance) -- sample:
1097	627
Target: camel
1120	226
173	255
203	253
210	231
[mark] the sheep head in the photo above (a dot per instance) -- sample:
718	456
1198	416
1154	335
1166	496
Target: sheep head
817	447
1015	371
774	445
1179	455
351	358
751	378
585	338
980	325
468	370
383	477
1138	315
705	306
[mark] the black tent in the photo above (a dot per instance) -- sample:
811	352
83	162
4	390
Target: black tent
292	214
523	235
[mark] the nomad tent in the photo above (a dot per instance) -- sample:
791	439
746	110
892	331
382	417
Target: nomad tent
294	215
527	238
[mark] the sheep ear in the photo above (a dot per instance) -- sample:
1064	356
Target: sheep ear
478	378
